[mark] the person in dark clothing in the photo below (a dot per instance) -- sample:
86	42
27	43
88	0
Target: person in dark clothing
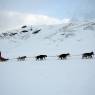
2	58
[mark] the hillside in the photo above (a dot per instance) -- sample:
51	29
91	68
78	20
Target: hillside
72	37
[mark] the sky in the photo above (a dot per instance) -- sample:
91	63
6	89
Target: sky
16	12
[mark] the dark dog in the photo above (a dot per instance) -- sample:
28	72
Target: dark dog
87	55
22	58
63	56
41	57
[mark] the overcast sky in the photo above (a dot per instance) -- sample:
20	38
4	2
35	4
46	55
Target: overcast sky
52	11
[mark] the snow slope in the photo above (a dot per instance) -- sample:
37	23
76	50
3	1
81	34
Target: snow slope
77	37
74	76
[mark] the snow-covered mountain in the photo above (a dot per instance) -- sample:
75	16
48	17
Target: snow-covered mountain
74	37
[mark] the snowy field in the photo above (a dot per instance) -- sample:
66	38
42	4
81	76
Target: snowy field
52	77
74	76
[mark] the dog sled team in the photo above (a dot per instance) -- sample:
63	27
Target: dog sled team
43	57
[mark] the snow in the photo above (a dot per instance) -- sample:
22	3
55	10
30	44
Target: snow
74	76
69	77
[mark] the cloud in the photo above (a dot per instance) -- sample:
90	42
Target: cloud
10	20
